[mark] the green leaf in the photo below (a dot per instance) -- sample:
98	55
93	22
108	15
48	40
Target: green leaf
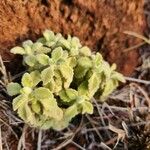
18	50
109	87
63	96
22	112
118	77
71	93
83	88
72	62
48	35
80	72
87	107
29	115
36	77
27	80
30	60
47	75
43	59
85	62
57	53
26	90
74	51
19	101
93	84
71	112
13	88
27	46
42	93
97	59
64	43
36	107
37	46
85	51
51	109
67	73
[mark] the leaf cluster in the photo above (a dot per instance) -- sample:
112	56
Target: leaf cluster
61	80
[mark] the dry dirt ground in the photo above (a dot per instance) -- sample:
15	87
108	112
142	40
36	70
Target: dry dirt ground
100	25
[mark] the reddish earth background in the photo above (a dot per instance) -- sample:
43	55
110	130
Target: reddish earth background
98	23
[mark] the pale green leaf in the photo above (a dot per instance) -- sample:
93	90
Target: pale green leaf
36	77
42	93
47	75
80	72
71	93
43	59
118	77
71	112
93	84
64	97
48	35
72	62
36	107
22	112
26	80
13	88
30	60
109	87
57	53
85	62
85	51
51	109
27	46
37	46
83	88
18	50
19	101
87	107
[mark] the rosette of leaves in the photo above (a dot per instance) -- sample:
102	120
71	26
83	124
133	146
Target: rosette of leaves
61	79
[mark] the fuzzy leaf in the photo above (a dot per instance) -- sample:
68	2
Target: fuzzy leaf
80	72
85	51
85	62
118	76
83	88
67	73
109	87
30	60
47	75
27	80
57	53
37	46
13	88
51	109
18	50
27	46
48	35
19	101
42	59
36	107
72	62
71	93
87	107
36	77
42	93
93	84
71	112
63	96
22	112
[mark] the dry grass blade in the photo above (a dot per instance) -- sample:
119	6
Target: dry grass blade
121	133
39	140
138	36
137	80
1	147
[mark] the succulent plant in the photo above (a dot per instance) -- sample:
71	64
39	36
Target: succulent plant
62	78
